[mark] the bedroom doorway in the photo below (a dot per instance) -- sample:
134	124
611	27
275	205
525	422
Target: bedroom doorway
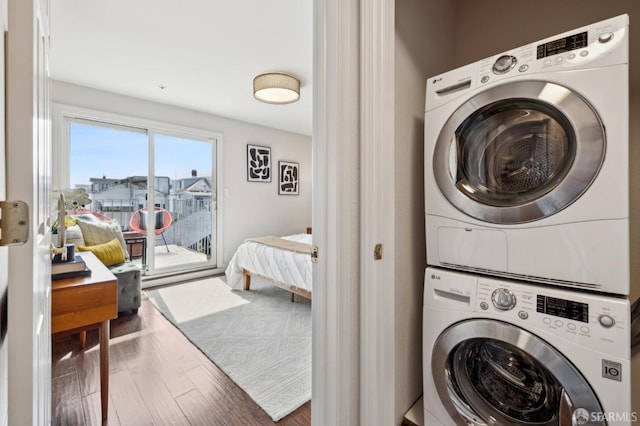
128	171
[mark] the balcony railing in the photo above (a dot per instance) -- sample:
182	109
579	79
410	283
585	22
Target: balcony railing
191	227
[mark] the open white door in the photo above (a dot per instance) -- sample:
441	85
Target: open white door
4	253
28	170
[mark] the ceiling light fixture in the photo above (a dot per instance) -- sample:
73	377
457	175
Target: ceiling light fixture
276	88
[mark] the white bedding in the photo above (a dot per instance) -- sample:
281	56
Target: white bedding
282	266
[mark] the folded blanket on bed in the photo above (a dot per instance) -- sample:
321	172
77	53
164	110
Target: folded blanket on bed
283	244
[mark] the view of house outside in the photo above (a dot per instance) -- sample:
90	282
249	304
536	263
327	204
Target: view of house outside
112	164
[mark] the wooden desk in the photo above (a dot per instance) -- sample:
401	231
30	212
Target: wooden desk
83	303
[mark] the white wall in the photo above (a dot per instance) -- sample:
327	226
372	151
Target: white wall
249	209
424	47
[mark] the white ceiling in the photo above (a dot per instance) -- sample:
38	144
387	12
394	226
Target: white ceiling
206	53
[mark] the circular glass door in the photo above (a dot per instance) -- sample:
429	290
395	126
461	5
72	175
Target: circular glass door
519	152
494	373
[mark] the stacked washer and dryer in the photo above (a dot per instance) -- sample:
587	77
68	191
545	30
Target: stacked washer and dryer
527	299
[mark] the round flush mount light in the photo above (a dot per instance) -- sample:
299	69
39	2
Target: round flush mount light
276	88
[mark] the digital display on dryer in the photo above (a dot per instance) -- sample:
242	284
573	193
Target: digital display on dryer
563	308
561	45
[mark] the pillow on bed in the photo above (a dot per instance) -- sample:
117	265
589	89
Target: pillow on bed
95	233
109	253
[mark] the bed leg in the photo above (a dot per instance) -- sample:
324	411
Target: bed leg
293	295
247	279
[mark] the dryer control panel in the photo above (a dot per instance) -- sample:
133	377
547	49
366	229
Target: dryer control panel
586	319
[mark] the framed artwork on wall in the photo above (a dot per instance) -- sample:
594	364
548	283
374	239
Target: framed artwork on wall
258	163
288	178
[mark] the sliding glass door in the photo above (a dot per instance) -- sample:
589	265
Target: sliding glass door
161	187
186	166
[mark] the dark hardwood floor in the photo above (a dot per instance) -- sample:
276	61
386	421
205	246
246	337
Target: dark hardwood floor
156	377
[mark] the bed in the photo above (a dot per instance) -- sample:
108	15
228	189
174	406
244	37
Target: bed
283	261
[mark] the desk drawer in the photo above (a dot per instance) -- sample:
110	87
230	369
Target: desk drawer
79	306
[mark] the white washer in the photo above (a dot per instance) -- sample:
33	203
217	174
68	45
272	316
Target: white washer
506	353
526	162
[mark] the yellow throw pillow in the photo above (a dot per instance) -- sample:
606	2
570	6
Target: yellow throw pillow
109	253
95	233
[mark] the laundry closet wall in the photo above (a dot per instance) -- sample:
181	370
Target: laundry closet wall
424	46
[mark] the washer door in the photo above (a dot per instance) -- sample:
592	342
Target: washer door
493	373
519	152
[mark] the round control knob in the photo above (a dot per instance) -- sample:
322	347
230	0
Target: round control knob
605	37
504	64
606	321
503	299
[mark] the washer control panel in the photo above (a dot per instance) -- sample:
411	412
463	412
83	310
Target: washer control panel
586	319
589	44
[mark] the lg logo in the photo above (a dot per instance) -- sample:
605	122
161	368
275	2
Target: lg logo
435	277
437	80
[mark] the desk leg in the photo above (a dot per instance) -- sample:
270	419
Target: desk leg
104	368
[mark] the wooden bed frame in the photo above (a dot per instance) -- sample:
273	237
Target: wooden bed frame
294	290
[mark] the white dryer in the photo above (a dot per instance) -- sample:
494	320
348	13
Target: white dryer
526	162
499	352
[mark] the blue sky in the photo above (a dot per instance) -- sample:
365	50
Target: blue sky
100	151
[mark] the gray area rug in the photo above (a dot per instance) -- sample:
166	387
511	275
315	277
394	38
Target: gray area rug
259	338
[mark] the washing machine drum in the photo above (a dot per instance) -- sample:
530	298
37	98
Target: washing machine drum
493	373
519	152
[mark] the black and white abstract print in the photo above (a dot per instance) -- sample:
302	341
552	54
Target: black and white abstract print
288	178
258	163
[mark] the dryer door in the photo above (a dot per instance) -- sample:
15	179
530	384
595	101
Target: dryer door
519	152
493	373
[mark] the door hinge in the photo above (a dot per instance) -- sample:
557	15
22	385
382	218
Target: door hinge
14	223
314	254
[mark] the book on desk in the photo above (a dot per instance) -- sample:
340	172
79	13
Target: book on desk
72	268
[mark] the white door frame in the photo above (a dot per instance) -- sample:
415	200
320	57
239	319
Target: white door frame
377	293
336	214
353	316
